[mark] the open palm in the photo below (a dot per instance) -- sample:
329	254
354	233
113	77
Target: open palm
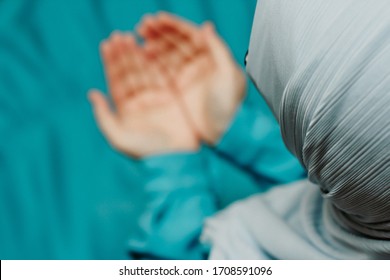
148	118
200	65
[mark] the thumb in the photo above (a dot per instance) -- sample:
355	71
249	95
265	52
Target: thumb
216	46
107	120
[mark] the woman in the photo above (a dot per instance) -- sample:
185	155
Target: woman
323	67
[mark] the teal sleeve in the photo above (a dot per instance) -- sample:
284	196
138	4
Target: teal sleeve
179	190
253	141
179	198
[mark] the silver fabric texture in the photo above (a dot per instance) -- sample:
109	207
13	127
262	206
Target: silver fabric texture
324	68
288	222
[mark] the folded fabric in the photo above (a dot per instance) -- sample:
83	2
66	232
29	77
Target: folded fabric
323	67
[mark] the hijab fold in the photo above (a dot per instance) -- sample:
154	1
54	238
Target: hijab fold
324	68
330	61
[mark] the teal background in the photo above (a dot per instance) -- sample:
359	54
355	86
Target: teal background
64	193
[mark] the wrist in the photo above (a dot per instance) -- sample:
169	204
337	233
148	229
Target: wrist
182	145
158	147
186	170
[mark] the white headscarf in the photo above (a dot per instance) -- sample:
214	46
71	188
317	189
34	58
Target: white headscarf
324	68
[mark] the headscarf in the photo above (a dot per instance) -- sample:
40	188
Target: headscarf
324	68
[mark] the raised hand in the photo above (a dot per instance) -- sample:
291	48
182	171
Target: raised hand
202	69
147	118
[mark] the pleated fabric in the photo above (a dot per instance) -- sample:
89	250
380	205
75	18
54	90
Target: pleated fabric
324	68
330	67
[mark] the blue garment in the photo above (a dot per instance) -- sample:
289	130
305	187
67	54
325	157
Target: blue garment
181	190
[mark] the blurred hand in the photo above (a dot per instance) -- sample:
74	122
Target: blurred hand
201	67
147	119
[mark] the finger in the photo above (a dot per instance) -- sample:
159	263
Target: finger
162	55
130	47
145	28
124	43
111	51
107	121
107	54
135	78
183	27
172	40
171	52
215	45
174	30
172	47
119	66
139	77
